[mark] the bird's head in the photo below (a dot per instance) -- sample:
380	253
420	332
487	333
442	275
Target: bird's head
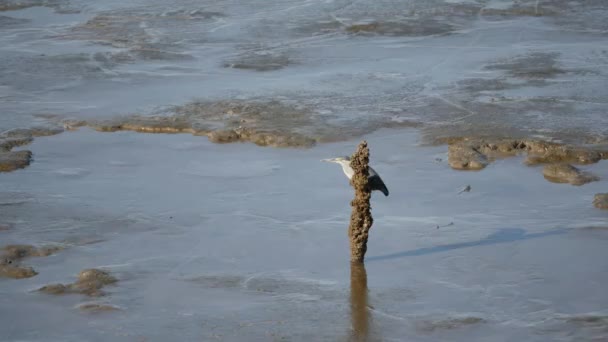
339	160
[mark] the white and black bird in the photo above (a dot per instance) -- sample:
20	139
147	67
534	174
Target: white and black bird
375	181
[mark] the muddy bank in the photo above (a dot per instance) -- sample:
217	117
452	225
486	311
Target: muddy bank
14	160
566	173
89	283
12	255
476	153
600	201
264	123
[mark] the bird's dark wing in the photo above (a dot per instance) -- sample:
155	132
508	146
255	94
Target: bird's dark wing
376	183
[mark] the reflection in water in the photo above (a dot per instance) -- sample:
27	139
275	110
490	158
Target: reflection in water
359	314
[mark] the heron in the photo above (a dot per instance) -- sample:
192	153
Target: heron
375	182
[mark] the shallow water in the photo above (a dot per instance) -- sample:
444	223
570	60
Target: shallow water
236	242
239	242
458	67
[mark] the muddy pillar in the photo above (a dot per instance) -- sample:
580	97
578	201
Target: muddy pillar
361	216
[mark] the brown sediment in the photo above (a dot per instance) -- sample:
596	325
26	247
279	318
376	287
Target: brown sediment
89	283
12	255
262	123
97	307
14	160
466	153
448	324
5	227
361	216
566	173
259	62
9	270
19	252
589	320
402	28
600	201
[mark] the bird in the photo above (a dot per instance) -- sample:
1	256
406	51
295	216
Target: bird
375	181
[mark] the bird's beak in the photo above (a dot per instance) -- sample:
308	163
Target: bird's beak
327	160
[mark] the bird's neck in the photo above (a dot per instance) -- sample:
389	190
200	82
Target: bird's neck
348	171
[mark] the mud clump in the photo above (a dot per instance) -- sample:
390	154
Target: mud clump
566	173
19	252
397	28
449	324
259	62
96	308
15	160
89	283
361	216
463	157
8	270
589	320
12	255
11	161
600	201
477	153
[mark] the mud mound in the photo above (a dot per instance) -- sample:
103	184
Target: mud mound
600	201
449	324
477	153
12	255
566	173
89	283
14	160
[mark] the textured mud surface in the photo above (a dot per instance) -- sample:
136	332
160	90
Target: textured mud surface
566	173
14	160
361	219
11	257
601	201
90	283
264	123
97	308
477	153
449	324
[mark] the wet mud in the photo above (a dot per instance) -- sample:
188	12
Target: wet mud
15	160
566	173
600	201
264	123
477	153
11	257
97	308
90	283
430	326
260	61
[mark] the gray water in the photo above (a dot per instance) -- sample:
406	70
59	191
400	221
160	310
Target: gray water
236	242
